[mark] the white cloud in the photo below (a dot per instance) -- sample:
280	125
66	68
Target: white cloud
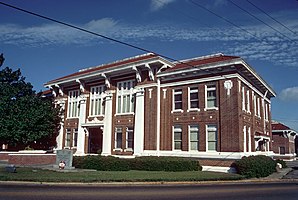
268	46
159	4
289	94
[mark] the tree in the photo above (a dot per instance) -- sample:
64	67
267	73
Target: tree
26	118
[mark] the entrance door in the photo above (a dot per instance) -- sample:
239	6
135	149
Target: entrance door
95	140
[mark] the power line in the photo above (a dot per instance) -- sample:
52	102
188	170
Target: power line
270	16
87	31
226	20
244	10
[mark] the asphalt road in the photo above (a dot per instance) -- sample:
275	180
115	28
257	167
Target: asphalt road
243	191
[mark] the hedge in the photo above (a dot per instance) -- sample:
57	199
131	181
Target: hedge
255	166
109	163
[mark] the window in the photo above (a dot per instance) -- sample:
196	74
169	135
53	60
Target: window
266	112
259	108
193	97
247	101
194	138
255	105
73	104
118	138
211	138
125	97
211	96
75	138
67	137
96	100
243	99
129	138
177	99
177	138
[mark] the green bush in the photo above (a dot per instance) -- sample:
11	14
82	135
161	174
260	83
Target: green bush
255	166
109	163
101	163
165	164
282	162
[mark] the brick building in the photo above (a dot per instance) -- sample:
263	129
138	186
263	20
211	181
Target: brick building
283	141
215	107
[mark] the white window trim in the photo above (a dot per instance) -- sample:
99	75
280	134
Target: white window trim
206	101
65	142
173	100
122	93
173	135
211	129
243	99
258	108
189	141
188	99
70	102
128	129
94	97
73	137
244	140
248	102
115	143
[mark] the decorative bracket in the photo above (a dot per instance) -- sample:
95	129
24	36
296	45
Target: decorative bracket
107	80
60	89
228	86
138	75
82	85
151	75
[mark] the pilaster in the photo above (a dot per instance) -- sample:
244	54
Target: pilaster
139	123
81	131
107	130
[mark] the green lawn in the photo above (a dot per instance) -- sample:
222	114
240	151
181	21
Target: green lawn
40	175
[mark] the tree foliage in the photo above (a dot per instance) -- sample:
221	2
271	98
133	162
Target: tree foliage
26	118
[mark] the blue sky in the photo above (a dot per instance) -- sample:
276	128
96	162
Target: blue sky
178	29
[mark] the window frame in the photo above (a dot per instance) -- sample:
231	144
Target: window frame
67	140
211	128
125	102
73	109
97	94
213	88
197	129
177	128
192	90
129	130
177	91
118	141
75	135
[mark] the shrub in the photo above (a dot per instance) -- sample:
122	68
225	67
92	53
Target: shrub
109	163
282	162
255	166
165	164
101	163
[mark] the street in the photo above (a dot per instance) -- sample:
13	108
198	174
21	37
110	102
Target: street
243	191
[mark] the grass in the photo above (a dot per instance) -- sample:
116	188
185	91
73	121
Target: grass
41	175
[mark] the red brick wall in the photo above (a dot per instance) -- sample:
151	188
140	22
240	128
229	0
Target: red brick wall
32	159
279	141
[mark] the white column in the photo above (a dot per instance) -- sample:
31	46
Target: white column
249	139
107	129
59	139
139	123
81	131
244	139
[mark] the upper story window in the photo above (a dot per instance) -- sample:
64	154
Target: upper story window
125	97
193	98
96	100
177	97
211	101
247	101
266	112
258	107
73	104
